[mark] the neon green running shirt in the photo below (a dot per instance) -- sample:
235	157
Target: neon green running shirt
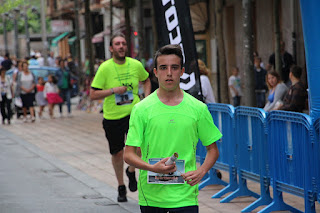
160	130
110	75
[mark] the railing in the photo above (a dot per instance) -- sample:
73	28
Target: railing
316	157
252	155
277	148
223	118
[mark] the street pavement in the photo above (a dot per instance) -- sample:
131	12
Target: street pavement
64	165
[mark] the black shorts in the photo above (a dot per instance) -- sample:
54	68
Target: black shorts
116	131
27	99
186	209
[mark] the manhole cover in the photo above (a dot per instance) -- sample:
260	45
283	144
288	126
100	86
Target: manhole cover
97	196
105	203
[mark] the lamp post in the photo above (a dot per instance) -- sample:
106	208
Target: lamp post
5	16
44	33
16	41
26	24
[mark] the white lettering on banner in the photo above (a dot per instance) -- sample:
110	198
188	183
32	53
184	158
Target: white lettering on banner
171	13
190	84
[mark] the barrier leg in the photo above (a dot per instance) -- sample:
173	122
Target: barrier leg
279	205
309	202
212	179
265	198
233	184
241	191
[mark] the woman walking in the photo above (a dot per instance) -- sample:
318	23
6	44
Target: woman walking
26	83
6	96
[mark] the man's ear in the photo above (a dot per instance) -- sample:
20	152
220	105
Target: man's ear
155	71
182	71
111	49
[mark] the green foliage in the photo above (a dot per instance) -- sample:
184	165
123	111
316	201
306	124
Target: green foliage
34	19
8	5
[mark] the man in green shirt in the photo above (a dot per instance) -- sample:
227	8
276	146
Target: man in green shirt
166	122
117	82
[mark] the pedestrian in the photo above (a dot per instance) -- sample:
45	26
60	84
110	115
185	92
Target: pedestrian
17	69
207	92
50	59
7	62
64	84
40	99
51	94
6	96
166	122
287	61
235	86
117	81
260	82
26	84
295	98
277	90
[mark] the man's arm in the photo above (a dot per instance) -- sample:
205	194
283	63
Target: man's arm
96	94
194	177
147	87
130	157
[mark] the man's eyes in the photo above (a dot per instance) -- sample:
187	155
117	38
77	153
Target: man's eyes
165	67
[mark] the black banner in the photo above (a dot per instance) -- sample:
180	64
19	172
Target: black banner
174	26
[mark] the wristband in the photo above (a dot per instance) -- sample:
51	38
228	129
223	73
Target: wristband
112	92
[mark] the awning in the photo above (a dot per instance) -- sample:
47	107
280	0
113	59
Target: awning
72	40
56	40
97	38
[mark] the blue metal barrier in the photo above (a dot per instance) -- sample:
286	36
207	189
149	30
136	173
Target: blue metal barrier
223	118
251	137
289	136
316	162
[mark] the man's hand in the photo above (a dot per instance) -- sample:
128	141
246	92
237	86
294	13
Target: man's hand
120	90
193	177
160	167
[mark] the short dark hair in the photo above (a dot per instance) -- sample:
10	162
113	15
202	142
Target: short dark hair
170	49
296	71
116	35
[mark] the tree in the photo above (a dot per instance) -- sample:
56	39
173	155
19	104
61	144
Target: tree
249	93
89	37
127	4
140	29
278	62
223	78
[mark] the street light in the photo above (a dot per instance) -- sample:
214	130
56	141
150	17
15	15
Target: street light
5	16
26	24
16	46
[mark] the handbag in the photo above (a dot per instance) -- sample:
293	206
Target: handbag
18	102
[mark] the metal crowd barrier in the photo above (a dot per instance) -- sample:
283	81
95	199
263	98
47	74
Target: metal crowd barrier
223	118
252	155
289	139
316	163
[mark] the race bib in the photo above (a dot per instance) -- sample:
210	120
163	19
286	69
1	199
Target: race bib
125	98
175	178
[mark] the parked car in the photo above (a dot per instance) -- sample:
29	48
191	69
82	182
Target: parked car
44	71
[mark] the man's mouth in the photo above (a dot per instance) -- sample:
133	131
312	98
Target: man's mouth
169	80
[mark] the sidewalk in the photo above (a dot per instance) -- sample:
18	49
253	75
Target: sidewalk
80	142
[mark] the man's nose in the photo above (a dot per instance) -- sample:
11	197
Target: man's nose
169	71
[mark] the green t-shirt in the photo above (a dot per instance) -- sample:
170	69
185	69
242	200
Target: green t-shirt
110	75
160	130
65	77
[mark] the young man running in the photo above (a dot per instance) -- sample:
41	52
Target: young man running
117	82
166	122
